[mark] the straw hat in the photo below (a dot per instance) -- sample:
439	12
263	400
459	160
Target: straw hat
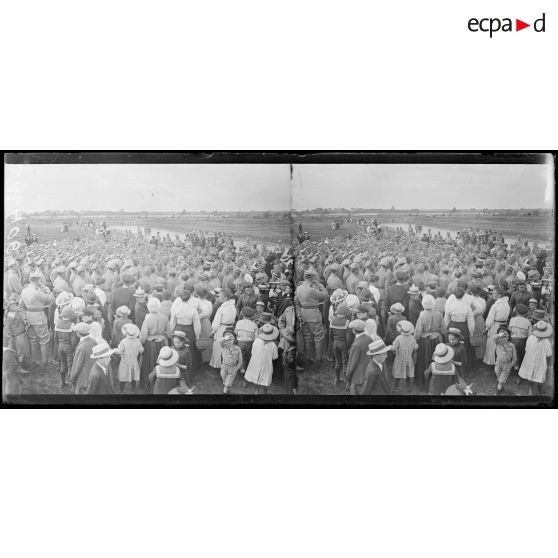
167	357
140	293
542	329
227	337
406	327
64	298
352	301
338	295
397	308
413	290
377	348
130	330
180	334
456	331
268	332
248	279
102	350
77	304
533	300
123	311
442	353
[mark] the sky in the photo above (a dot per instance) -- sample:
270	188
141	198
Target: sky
423	186
31	188
200	187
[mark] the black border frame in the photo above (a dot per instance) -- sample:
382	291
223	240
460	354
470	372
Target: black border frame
55	401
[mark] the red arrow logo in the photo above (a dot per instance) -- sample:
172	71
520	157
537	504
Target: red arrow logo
519	25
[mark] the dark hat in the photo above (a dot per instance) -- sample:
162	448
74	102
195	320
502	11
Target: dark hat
248	311
521	309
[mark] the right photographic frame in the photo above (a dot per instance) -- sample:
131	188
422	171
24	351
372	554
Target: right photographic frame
426	276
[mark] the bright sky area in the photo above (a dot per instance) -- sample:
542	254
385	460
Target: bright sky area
32	188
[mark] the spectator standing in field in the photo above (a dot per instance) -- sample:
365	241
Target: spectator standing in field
537	363
82	364
100	380
520	329
129	350
231	361
506	357
498	315
358	359
264	352
405	347
375	379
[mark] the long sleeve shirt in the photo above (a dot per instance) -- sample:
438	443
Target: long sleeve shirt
459	311
185	314
225	315
499	312
155	327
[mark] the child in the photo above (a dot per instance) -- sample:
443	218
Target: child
405	347
180	344
231	361
396	311
341	337
520	328
245	331
129	350
506	357
455	341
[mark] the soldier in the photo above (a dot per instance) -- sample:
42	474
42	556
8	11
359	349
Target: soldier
309	295
36	297
13	279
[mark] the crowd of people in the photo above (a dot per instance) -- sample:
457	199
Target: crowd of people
139	313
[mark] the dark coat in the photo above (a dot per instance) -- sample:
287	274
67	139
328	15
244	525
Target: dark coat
375	380
398	293
358	359
99	382
82	364
124	296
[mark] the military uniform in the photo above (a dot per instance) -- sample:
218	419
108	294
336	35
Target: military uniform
307	300
35	299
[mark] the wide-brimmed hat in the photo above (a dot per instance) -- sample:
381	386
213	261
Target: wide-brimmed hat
268	332
406	327
378	347
533	300
180	334
542	329
167	357
397	308
102	350
248	279
456	331
81	327
123	311
64	298
413	290
338	295
260	303
442	353
130	330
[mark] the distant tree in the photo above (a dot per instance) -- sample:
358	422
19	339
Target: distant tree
454	210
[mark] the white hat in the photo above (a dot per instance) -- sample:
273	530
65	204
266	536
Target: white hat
442	353
154	304
102	350
378	347
248	279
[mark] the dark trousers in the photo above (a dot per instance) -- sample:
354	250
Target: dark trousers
246	351
66	358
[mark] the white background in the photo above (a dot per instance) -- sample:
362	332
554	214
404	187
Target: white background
288	75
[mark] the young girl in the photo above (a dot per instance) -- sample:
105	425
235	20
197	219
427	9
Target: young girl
129	350
405	347
231	361
180	344
455	341
264	352
506	357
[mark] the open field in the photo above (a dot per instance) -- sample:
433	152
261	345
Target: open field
530	227
257	230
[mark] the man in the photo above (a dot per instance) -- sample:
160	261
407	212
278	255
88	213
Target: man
80	281
399	291
247	298
376	380
309	295
100	382
36	298
358	359
59	284
124	296
79	376
13	279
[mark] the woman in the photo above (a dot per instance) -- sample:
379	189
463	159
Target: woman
478	340
224	319
429	332
264	352
441	371
459	314
498	315
538	354
155	332
205	309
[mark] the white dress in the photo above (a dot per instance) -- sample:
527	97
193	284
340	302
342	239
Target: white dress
533	367
499	313
224	317
260	368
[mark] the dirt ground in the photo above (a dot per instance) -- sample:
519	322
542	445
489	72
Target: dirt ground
312	381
